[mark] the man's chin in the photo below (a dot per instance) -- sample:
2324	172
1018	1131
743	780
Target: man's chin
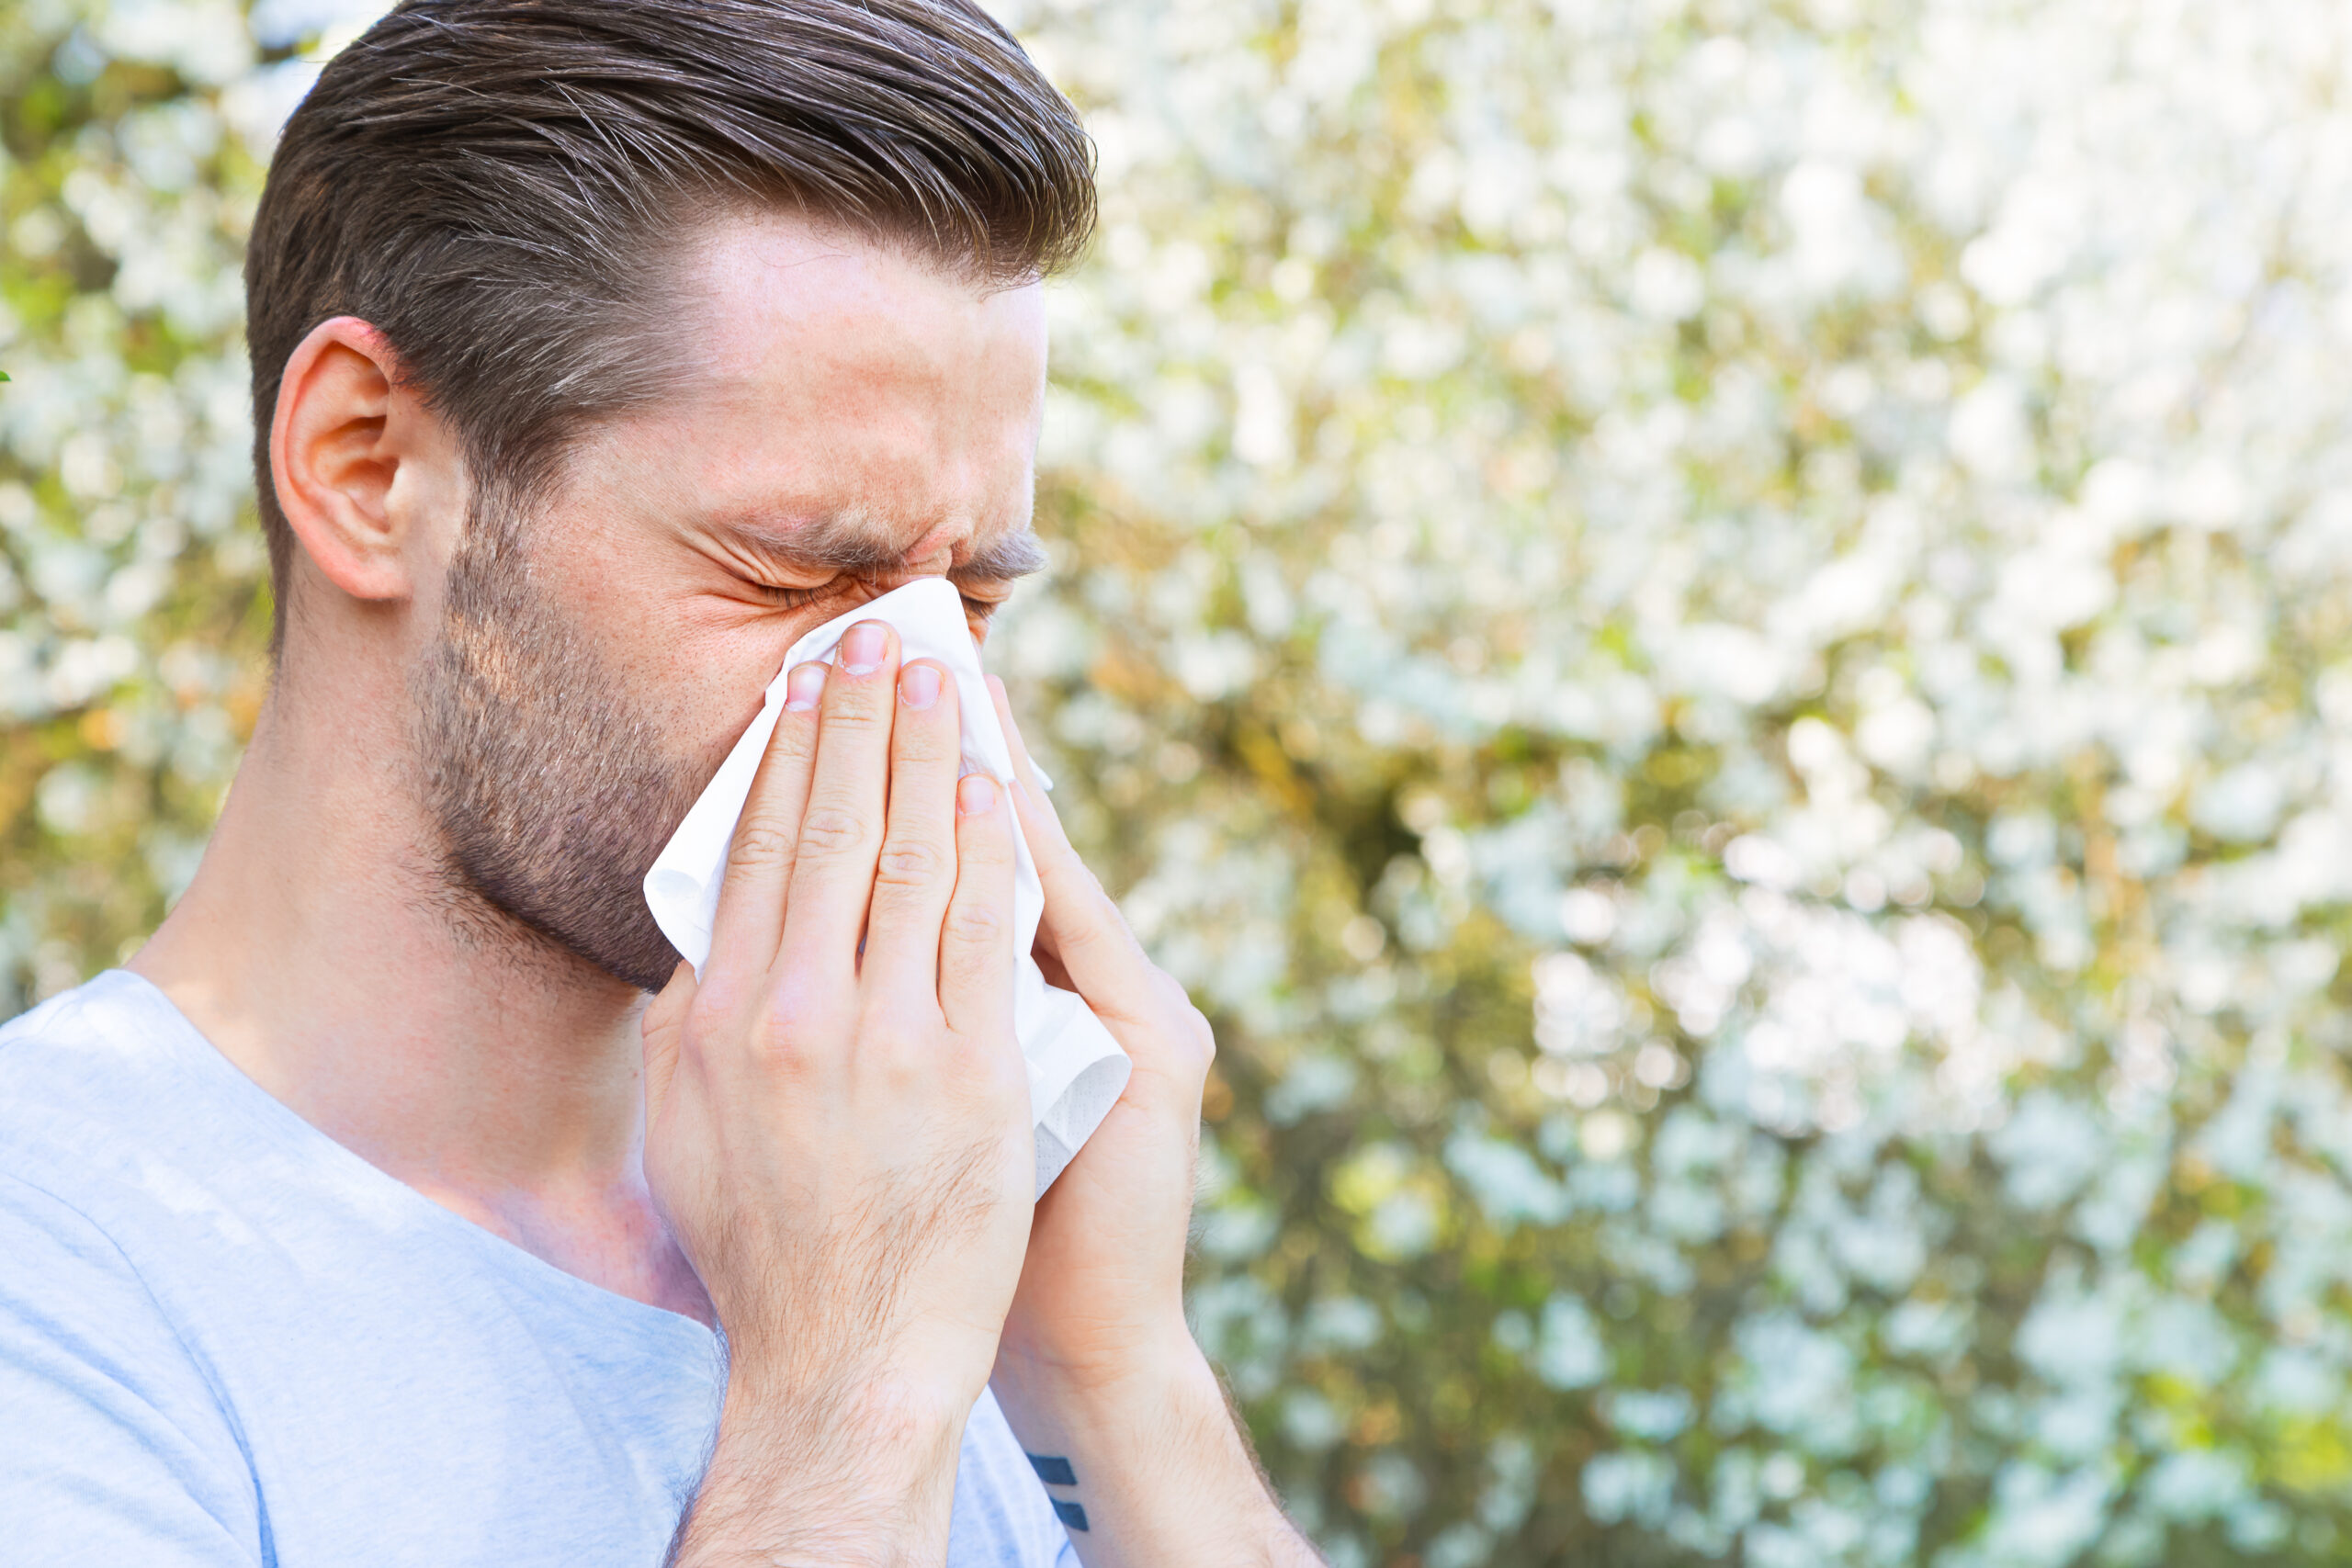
636	954
546	778
606	930
645	973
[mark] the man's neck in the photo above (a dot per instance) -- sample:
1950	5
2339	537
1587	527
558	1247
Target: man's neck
321	950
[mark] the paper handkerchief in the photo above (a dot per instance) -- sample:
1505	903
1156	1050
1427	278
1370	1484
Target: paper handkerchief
1075	1069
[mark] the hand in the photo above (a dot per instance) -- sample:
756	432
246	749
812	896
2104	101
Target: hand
838	1135
1102	1293
1097	1373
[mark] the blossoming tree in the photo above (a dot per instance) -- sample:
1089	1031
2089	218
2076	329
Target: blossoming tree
1719	634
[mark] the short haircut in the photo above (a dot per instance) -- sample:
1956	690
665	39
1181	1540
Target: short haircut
498	186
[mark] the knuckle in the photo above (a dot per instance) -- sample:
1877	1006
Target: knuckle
978	923
858	714
710	1011
909	863
759	842
1202	1037
794	1001
924	737
894	1042
784	1044
795	739
1083	936
979	847
909	1073
832	830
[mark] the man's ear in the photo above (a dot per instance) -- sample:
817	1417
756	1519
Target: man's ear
337	442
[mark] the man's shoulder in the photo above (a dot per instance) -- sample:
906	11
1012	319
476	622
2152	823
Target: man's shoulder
94	1077
113	1020
77	1190
70	1050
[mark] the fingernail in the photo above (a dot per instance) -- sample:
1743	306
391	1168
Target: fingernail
862	649
976	795
919	685
803	687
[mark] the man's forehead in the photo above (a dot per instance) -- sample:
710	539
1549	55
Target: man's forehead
764	284
852	406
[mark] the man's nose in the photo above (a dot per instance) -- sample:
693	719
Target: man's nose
938	563
876	584
934	554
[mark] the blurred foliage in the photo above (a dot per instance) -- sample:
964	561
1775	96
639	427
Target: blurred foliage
1715	633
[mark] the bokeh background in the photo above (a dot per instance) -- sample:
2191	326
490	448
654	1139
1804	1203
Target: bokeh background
1718	633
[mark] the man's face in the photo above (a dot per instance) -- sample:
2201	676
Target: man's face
857	419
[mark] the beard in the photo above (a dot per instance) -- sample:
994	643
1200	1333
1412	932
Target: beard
547	785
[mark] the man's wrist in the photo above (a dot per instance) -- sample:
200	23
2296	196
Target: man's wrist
1149	1464
1143	1367
852	1472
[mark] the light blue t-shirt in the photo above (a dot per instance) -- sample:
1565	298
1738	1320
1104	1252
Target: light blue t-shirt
227	1339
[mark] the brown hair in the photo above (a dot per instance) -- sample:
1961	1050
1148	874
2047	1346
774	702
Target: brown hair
498	186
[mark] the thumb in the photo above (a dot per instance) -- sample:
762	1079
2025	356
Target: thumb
665	1029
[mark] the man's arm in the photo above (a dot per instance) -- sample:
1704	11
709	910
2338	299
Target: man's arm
1097	1373
836	1131
836	1124
1152	1469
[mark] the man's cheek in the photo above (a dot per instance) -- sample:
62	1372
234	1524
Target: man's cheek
708	730
704	671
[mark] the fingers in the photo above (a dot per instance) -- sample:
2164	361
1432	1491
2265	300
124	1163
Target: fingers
665	1028
916	872
1082	924
1022	768
1146	1008
841	832
750	922
975	940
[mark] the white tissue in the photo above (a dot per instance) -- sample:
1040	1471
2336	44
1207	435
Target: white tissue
1075	1069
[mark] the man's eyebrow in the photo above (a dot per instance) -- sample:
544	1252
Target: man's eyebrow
1002	558
851	544
838	543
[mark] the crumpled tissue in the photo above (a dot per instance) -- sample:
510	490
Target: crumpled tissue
1076	1068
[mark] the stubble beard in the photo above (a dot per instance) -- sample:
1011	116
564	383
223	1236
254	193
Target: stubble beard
547	787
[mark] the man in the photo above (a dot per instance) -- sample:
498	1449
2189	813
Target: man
601	348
